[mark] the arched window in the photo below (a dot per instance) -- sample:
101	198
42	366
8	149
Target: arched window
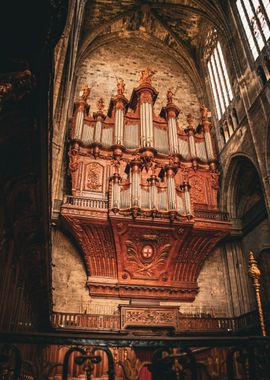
254	15
220	83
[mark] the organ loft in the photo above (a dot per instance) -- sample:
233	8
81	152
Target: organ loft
143	204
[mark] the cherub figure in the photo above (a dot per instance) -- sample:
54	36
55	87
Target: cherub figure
100	104
120	86
146	75
204	111
170	95
85	92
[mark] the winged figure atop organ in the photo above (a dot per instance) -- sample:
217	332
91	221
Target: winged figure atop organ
146	186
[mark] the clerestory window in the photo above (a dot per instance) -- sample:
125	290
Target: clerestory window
220	83
254	15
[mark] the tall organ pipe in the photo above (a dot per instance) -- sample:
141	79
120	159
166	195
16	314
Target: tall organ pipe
191	140
172	113
116	191
79	121
153	192
135	183
171	189
119	119
186	188
206	128
146	118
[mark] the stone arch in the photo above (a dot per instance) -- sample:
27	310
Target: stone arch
242	187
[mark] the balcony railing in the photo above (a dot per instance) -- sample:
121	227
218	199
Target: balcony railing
85	202
185	323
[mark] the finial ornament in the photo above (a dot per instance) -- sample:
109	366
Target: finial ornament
100	104
120	86
85	92
146	76
204	111
170	95
255	274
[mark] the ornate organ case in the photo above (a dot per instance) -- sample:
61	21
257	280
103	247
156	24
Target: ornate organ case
143	207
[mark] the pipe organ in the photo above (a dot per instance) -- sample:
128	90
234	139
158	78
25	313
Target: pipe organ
144	195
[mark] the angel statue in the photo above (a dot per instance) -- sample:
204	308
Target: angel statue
85	92
146	75
120	86
100	104
170	95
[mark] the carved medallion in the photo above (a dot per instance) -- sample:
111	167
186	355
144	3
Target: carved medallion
94	177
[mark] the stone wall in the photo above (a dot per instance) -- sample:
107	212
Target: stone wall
126	59
71	295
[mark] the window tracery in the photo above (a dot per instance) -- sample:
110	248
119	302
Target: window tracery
219	78
254	15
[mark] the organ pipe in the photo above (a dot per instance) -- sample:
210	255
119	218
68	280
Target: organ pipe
153	192
191	141
116	191
146	117
206	128
135	183
171	188
172	112
186	188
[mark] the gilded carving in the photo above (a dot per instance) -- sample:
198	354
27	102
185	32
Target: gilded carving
94	176
146	75
197	191
147	259
147	316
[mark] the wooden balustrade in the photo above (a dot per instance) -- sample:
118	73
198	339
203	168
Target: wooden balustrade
202	324
85	321
86	202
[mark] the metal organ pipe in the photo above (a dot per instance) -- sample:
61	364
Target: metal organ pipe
119	123
172	113
191	140
173	136
116	191
171	189
209	147
135	183
206	128
153	192
186	188
146	117
79	121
